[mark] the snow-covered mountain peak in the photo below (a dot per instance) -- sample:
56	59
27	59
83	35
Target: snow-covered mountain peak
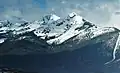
50	18
76	18
54	17
51	28
72	14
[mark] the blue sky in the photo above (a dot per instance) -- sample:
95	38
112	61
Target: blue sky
34	9
42	3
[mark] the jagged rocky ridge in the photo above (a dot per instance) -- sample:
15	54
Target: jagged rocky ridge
52	34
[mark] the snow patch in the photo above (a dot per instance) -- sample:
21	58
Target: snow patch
54	17
78	19
72	14
67	35
2	40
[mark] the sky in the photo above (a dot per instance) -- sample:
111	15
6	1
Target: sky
100	12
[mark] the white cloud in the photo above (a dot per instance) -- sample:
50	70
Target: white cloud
27	9
115	21
97	11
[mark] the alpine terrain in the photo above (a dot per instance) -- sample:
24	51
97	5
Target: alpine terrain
52	34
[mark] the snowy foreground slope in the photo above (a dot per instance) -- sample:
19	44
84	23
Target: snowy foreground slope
52	34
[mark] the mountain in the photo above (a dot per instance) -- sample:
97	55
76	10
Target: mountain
59	45
51	34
